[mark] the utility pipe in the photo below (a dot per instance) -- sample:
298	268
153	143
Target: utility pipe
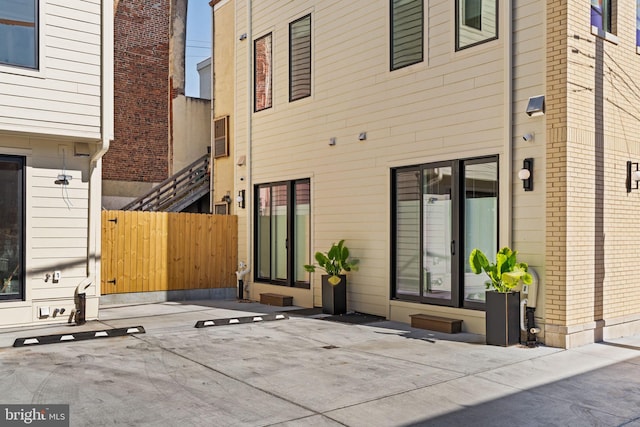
248	195
95	170
505	184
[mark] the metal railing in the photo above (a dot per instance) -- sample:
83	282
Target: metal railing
178	191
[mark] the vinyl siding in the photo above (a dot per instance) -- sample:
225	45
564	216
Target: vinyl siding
63	97
448	106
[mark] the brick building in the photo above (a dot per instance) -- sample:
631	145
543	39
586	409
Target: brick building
158	130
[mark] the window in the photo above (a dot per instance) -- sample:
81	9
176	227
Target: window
19	33
602	15
638	23
221	137
282	244
407	28
441	212
262	73
300	58
11	227
476	22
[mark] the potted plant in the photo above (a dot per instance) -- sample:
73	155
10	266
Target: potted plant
335	263
502	302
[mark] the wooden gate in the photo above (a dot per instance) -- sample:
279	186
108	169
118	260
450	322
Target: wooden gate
163	251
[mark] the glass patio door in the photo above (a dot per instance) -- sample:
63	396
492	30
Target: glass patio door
437	238
441	212
11	227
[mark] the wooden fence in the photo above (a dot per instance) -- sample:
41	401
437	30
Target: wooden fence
162	251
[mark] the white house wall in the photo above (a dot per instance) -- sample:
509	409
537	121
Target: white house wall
63	97
60	119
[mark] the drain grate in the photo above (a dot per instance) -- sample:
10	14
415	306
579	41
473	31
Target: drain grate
330	347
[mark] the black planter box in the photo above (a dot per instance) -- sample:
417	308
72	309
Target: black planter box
334	298
502	318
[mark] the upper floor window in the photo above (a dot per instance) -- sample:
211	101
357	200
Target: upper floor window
476	22
19	33
407	32
263	73
300	58
638	23
602	15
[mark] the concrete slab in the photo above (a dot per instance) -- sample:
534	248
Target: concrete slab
309	372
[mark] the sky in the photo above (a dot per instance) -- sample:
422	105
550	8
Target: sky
198	43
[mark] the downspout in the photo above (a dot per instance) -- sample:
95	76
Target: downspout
249	193
95	167
212	111
506	181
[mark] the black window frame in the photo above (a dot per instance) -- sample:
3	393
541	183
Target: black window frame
399	65
292	74
291	241
255	74
21	162
457	233
457	25
36	39
609	8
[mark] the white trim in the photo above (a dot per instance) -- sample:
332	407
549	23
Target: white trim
638	50
10	151
220	4
604	35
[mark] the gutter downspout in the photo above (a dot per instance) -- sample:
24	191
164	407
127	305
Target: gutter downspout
95	166
506	187
212	111
249	193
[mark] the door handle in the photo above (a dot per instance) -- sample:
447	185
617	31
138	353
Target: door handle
453	247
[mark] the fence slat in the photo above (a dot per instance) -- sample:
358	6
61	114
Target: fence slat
160	251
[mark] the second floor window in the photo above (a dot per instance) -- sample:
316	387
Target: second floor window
300	58
19	33
476	22
263	73
407	32
638	23
601	15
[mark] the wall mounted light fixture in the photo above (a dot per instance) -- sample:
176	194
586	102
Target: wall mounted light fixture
526	174
240	199
535	106
633	176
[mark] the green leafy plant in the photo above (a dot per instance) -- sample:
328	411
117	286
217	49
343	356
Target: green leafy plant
334	262
505	273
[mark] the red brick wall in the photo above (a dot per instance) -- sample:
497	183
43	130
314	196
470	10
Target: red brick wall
140	150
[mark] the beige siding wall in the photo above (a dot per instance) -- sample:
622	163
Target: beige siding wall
528	210
63	97
450	106
223	104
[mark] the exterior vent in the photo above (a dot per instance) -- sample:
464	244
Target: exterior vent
221	208
221	137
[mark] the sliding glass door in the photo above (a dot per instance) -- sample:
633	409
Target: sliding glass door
441	211
11	227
